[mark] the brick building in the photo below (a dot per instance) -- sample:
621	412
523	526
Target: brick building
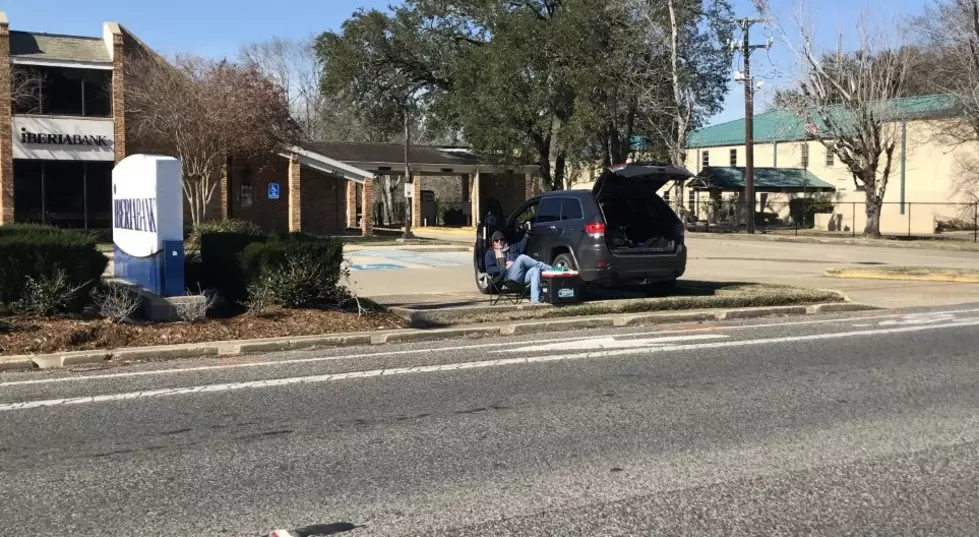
63	128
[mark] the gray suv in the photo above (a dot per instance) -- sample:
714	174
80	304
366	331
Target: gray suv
619	233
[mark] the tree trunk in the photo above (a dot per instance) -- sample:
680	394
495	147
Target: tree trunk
559	165
387	198
873	208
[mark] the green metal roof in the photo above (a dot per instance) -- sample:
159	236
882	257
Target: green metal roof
766	180
787	126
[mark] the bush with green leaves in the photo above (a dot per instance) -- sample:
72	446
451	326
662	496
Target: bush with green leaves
231	225
296	271
221	266
43	268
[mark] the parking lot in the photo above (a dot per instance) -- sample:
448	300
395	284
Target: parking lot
395	275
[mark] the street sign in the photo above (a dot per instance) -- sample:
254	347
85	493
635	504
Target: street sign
273	191
409	190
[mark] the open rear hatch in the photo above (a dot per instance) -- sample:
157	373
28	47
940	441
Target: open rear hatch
637	220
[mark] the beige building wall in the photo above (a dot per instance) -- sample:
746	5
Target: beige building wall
932	170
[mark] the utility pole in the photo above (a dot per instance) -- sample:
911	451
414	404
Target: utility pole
746	48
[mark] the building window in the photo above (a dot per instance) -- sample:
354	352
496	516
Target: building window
692	202
734	158
830	157
705	158
666	195
75	194
63	91
805	154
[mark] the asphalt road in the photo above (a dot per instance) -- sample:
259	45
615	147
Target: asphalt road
859	424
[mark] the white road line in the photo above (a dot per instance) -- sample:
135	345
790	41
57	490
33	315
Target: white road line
314	359
313	379
610	342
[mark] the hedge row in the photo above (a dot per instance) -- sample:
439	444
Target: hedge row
33	254
299	268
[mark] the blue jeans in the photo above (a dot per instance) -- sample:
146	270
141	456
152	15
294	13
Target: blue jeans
527	270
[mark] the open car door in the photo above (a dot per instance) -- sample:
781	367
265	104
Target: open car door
492	220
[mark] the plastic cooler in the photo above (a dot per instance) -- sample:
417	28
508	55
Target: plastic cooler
561	287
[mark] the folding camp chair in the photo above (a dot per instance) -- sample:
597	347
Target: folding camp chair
503	289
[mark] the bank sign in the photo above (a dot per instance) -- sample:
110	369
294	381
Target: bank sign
147	223
47	138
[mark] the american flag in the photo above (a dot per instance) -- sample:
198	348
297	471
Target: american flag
811	128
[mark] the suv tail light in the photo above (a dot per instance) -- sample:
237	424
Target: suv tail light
596	230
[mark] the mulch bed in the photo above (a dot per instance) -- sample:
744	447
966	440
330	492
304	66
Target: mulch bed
21	335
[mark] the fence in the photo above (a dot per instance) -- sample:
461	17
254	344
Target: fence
949	221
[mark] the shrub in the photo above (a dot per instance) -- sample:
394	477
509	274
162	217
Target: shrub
116	301
298	270
803	209
221	267
46	295
231	225
48	256
194	310
452	217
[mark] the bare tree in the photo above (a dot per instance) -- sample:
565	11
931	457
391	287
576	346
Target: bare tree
203	112
683	76
845	99
295	67
950	30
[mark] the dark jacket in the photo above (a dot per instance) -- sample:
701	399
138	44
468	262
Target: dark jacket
499	272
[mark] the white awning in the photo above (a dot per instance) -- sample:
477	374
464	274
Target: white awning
328	165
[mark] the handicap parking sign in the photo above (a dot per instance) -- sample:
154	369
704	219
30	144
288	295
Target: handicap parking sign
273	191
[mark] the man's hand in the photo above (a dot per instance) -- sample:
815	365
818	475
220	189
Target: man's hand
509	264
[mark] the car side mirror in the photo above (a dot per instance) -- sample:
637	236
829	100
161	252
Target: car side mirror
528	226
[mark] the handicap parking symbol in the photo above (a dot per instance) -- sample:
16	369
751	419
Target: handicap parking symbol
273	191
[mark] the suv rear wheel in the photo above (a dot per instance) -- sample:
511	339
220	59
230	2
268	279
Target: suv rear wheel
566	260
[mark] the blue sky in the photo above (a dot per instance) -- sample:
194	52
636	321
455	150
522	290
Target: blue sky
218	28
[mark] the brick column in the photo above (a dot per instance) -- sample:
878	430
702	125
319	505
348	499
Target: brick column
6	134
352	204
295	195
118	94
416	202
530	190
367	220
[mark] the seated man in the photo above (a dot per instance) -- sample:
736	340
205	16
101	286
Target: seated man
512	263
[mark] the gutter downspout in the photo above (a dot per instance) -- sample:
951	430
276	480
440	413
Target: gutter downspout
774	154
904	158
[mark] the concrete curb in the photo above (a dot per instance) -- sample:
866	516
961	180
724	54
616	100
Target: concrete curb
936	276
947	244
243	347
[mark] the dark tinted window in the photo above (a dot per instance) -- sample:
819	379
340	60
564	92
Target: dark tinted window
64	91
26	88
98	93
528	214
28	191
550	210
63	193
571	209
98	194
